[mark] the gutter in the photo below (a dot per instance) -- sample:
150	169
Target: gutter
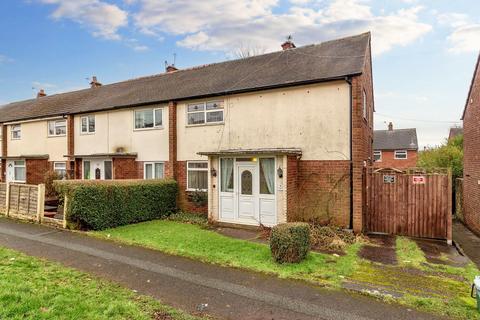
349	81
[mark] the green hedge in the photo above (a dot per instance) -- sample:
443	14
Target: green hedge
290	242
98	205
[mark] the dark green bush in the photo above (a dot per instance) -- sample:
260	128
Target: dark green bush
290	242
98	205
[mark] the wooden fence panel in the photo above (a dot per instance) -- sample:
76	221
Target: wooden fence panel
410	204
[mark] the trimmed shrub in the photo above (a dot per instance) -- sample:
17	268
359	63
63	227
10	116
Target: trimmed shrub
98	205
290	242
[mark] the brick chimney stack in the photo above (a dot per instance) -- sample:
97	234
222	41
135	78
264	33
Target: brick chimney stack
94	83
390	126
288	44
170	67
41	93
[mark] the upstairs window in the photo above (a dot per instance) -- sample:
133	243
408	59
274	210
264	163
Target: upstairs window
205	112
400	154
148	118
16	131
365	114
57	128
377	156
87	124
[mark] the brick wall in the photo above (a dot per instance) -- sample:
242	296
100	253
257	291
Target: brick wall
36	170
389	161
471	149
322	191
3	174
170	171
184	201
70	144
127	168
362	138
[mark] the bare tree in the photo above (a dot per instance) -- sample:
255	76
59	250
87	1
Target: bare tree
246	51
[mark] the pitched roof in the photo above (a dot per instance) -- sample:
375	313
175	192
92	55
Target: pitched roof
313	63
396	139
455	132
474	78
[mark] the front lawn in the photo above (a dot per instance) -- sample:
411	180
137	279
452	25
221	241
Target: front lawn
430	287
32	288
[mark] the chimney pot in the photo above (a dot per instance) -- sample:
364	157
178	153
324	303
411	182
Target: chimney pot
288	44
170	68
390	126
94	83
41	93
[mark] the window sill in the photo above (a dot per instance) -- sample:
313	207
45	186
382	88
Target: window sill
148	129
194	190
57	136
205	124
87	133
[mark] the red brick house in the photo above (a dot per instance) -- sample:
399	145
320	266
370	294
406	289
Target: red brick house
455	132
395	148
276	137
471	150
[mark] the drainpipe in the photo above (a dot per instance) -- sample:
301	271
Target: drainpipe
349	81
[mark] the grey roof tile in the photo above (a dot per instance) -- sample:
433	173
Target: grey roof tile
324	61
396	139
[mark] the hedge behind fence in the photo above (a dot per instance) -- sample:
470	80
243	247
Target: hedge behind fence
98	205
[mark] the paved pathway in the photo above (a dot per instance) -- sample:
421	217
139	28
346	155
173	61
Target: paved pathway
183	283
468	241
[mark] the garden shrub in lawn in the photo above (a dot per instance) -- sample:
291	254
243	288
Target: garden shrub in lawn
290	242
98	205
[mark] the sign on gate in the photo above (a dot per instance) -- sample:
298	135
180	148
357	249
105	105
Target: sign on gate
388	178
418	179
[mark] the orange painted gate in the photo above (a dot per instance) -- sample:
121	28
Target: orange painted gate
413	203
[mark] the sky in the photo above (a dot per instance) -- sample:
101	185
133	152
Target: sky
424	51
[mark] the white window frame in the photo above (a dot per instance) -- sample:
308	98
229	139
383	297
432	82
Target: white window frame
400	151
377	152
205	112
62	163
13	130
196	169
153	163
365	113
154	119
19	166
55	125
87	117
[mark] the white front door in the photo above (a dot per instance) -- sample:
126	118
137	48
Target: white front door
247	193
16	171
97	169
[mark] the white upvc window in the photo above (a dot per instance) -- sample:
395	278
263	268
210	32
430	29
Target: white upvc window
87	124
400	154
148	118
197	175
57	128
61	169
16	131
365	113
205	113
153	170
19	171
377	156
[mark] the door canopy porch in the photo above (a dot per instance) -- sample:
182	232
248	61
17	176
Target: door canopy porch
259	151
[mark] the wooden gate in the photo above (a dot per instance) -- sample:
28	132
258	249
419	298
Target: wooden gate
413	203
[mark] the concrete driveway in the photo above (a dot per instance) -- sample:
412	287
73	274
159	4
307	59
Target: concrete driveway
224	293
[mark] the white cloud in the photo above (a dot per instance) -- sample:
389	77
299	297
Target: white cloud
224	24
465	34
140	48
43	85
465	39
102	18
5	59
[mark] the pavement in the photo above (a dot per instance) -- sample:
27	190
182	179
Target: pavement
224	293
468	242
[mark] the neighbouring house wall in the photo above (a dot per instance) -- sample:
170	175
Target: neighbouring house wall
314	118
471	149
35	141
362	139
115	129
389	161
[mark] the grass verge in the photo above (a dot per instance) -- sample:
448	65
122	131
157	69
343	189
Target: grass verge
193	241
31	288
